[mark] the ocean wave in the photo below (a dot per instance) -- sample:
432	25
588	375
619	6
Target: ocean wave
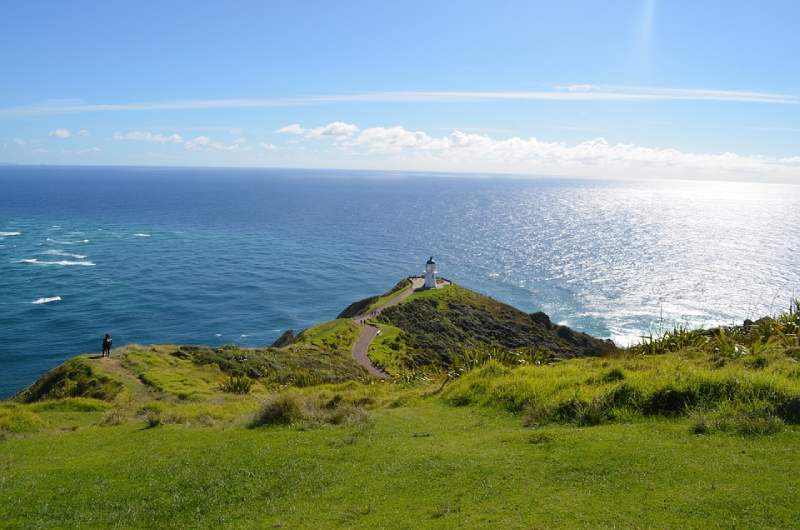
56	252
47	300
63	263
60	242
141	235
10	234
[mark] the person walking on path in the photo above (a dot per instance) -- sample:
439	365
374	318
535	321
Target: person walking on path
107	345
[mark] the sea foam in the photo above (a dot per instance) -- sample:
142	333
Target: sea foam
47	300
63	263
10	234
141	235
60	242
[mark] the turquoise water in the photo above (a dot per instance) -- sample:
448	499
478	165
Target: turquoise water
221	256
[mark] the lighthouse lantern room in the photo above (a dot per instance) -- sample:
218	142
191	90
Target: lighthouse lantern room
430	274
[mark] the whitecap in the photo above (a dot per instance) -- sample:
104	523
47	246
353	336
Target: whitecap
141	235
47	300
56	252
10	234
60	242
217	334
63	263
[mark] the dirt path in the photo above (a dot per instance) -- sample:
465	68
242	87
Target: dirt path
368	333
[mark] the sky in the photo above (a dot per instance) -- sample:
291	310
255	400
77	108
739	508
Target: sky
618	89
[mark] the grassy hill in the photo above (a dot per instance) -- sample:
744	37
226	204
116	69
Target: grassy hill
450	326
692	429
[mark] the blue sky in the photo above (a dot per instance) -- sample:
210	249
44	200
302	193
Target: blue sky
618	89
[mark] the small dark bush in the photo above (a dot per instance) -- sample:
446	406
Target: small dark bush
285	409
282	409
758	362
789	410
614	375
583	413
152	418
540	438
670	401
699	425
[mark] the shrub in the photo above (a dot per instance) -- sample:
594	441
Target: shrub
152	418
699	424
237	385
583	413
113	417
290	408
669	401
613	375
759	362
281	409
152	413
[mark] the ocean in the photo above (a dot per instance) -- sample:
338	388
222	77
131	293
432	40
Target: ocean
216	256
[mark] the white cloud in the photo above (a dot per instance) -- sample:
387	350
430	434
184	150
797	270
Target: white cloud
573	92
204	143
146	136
596	157
337	130
60	133
88	150
267	147
198	143
294	128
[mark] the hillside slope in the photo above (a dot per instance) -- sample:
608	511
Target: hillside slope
695	429
440	327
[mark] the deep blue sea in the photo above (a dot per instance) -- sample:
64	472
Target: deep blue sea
217	256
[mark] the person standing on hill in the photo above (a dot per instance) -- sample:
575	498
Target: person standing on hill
107	345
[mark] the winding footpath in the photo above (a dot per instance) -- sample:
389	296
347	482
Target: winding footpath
368	332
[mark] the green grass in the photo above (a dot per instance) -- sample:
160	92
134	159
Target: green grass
441	325
19	419
476	469
388	350
335	335
174	375
695	429
616	388
389	296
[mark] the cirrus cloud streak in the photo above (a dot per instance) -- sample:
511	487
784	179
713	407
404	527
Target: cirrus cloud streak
573	92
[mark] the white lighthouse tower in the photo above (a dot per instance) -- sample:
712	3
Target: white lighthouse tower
430	274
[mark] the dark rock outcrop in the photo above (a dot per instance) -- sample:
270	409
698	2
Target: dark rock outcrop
286	338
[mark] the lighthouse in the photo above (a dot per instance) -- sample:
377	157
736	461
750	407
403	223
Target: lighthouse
430	274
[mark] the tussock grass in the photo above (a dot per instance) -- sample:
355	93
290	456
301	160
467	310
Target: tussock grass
193	414
237	385
594	391
293	408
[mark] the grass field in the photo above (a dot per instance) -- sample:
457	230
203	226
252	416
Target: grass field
416	466
694	429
